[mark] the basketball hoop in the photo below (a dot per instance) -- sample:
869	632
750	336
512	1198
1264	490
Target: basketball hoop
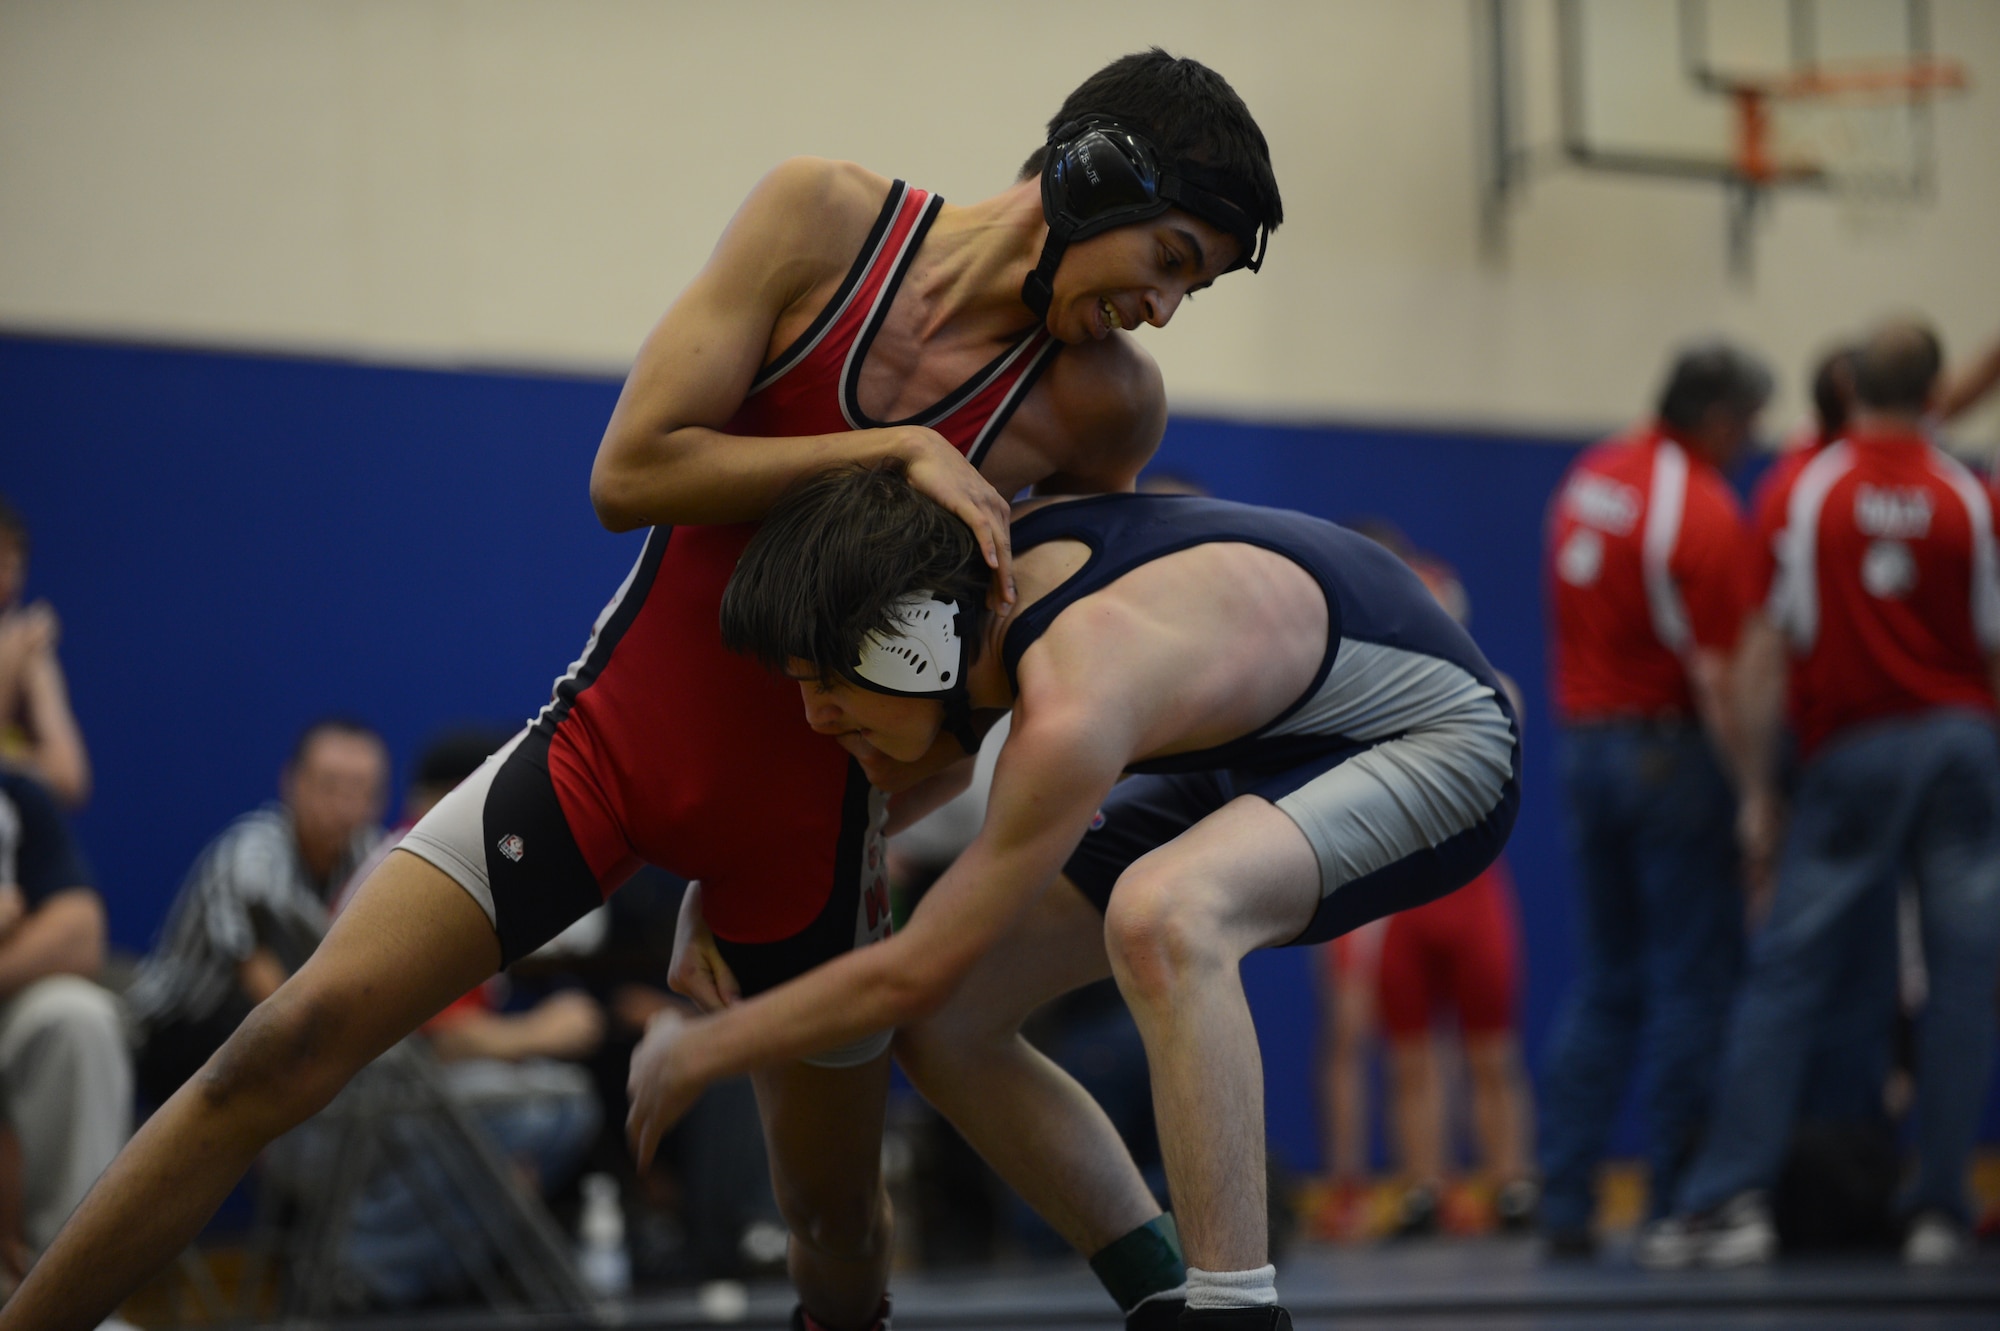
1854	129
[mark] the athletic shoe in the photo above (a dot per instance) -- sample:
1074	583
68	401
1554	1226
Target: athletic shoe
1670	1243
1155	1315
1935	1239
1268	1318
1515	1204
1739	1233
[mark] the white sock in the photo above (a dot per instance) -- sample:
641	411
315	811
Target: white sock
1232	1289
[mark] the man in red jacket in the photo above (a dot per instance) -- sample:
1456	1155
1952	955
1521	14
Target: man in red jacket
1646	551
1884	599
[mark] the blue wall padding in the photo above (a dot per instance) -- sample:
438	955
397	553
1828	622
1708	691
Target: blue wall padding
239	543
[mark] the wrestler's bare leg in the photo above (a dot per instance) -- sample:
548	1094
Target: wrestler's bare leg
1416	1105
1502	1108
823	1130
1039	1130
411	942
1180	922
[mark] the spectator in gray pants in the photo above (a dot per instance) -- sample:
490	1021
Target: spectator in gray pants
65	1069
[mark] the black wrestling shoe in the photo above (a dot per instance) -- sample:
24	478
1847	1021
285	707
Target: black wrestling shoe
1155	1315
1271	1318
803	1321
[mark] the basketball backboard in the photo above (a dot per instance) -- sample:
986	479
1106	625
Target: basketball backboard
1751	94
1645	83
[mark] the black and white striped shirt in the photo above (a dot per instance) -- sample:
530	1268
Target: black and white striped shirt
248	889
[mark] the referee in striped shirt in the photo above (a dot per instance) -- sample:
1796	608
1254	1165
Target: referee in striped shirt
254	906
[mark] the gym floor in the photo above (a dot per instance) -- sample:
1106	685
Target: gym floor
1426	1285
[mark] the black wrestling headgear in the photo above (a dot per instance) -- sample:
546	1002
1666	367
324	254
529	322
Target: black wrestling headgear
1101	174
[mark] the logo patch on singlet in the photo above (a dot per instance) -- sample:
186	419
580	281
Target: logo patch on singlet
1097	821
513	847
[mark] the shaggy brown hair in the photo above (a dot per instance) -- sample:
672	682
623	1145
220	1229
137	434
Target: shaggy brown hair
833	558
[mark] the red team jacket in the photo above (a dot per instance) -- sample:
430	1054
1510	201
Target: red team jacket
1646	563
1875	557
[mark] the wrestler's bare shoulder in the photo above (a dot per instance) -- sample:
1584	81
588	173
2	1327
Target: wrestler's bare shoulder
1092	423
814	207
797	232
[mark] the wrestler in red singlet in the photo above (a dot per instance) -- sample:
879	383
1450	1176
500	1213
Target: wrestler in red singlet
664	747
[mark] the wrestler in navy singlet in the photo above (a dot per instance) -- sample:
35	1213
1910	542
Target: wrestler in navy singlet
1399	762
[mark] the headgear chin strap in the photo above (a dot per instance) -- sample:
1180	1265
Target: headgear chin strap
924	656
1101	174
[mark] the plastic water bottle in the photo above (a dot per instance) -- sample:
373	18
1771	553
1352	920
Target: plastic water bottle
601	1258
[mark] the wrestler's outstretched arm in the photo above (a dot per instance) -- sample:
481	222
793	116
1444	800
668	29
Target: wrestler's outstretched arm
664	458
1048	783
411	942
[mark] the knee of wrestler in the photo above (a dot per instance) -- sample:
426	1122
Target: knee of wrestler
1160	933
281	1064
841	1229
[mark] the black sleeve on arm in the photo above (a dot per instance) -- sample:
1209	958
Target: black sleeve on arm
48	860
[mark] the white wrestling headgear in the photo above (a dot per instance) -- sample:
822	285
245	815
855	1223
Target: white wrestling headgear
923	657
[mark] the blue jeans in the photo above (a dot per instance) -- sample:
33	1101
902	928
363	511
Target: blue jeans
1652	821
1917	797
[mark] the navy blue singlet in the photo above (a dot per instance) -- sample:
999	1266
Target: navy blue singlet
1371	596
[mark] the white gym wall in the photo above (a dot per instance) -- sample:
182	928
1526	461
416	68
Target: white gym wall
528	182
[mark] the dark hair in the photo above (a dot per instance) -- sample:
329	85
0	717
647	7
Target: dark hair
12	526
1189	112
455	755
832	559
330	725
1713	374
1898	367
1833	390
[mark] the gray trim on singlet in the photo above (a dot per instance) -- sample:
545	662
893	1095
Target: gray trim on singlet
452	836
589	647
1442	757
1004	412
884	293
1373	691
796	355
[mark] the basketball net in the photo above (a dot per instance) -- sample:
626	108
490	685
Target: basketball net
1856	130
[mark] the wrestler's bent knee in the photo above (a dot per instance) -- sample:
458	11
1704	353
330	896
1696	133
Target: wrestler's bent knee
1158	937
